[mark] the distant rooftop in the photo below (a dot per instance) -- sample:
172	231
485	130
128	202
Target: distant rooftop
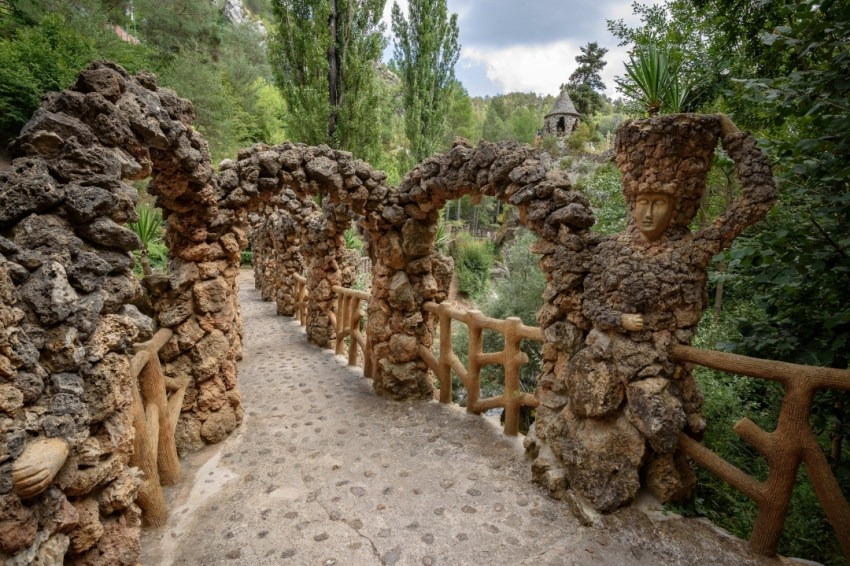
564	105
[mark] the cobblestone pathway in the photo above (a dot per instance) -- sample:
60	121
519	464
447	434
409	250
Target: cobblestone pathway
324	472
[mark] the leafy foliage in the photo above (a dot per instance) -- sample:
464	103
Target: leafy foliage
586	80
220	67
353	241
473	260
426	50
323	55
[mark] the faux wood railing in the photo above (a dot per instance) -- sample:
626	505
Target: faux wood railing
347	325
155	415
512	358
301	298
785	448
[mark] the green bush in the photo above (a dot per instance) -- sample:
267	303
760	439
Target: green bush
550	144
36	60
473	260
583	134
247	258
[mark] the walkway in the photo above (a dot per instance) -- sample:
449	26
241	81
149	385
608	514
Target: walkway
324	472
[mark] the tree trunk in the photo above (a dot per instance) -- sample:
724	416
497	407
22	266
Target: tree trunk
333	71
729	197
718	294
836	436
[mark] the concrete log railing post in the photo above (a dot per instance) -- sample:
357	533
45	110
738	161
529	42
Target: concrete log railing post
301	298
349	316
155	416
789	445
511	358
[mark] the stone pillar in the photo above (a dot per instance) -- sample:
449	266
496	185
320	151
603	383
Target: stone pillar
66	323
264	246
324	245
289	259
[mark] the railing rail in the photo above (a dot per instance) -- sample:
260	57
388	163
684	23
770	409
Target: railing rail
791	443
301	298
155	415
512	358
347	325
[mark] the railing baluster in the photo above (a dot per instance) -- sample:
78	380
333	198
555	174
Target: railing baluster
445	368
473	361
155	417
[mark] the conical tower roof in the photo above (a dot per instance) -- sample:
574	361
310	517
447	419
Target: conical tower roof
564	105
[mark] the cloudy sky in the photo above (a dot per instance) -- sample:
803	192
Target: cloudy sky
530	45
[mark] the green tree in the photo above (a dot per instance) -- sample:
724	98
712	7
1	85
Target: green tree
590	64
426	50
323	55
586	80
460	119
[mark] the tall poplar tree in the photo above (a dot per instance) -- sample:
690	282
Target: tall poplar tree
324	54
426	50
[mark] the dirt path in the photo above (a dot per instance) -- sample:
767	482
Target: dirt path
324	472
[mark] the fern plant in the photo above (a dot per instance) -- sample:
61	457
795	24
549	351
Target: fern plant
149	230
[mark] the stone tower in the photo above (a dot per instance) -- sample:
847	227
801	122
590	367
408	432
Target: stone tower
563	119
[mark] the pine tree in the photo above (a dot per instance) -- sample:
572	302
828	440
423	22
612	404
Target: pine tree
586	80
324	54
426	50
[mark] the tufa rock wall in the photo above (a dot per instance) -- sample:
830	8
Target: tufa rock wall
66	323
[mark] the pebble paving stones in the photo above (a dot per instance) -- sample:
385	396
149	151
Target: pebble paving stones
325	472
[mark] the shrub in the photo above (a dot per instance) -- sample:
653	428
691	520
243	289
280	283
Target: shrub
549	143
473	260
604	190
247	258
583	134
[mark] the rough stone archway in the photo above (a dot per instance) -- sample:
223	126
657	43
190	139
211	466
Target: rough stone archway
64	363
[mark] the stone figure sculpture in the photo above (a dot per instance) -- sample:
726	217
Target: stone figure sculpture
644	292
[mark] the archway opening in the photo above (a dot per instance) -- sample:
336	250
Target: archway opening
562	126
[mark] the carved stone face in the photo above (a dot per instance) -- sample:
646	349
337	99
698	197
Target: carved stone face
652	214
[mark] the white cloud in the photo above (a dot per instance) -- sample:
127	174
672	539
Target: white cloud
525	68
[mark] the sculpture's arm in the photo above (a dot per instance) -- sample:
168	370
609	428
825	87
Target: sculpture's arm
757	198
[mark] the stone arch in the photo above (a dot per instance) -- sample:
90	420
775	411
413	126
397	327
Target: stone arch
408	272
70	322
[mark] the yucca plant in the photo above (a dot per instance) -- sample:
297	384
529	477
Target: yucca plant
149	230
353	241
647	70
654	80
443	238
678	93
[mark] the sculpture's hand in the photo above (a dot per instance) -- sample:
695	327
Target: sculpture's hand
727	126
39	463
633	322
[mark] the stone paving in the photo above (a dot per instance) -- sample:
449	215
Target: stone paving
324	472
